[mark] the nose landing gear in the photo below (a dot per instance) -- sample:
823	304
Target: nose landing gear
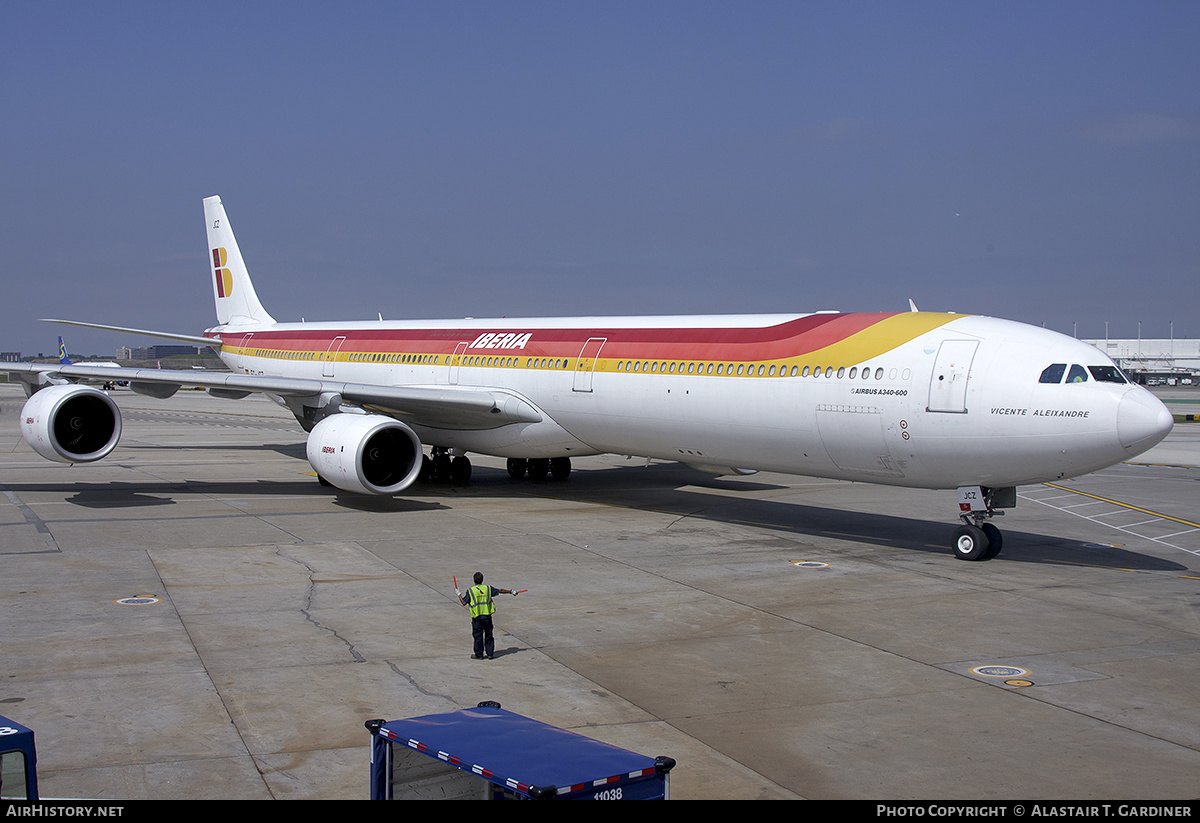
976	538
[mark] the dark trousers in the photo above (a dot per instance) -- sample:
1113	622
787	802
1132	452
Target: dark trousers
481	630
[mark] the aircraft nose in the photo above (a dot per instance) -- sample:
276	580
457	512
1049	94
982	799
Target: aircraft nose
1142	421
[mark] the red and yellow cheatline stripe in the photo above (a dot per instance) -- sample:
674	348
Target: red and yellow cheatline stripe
833	339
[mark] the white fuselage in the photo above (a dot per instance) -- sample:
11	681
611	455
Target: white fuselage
916	399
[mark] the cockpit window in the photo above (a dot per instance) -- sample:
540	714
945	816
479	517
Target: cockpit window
1107	374
1078	374
1053	374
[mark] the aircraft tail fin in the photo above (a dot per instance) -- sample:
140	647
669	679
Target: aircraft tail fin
62	352
237	303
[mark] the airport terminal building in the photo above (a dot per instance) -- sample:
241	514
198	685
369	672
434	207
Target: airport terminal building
1148	359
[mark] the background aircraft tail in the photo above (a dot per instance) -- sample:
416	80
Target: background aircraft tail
237	304
62	352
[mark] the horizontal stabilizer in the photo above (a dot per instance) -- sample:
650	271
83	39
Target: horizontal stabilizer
161	335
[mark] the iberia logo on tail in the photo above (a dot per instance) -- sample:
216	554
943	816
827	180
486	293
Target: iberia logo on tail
223	275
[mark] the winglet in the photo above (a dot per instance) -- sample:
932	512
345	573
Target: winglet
912	306
237	304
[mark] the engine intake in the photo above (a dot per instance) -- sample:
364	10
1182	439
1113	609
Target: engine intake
365	453
71	423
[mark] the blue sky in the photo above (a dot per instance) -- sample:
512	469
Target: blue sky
1036	161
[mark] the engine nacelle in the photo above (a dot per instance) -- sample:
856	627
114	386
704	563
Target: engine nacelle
366	453
71	423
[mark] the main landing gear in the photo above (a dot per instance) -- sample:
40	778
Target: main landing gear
539	467
440	466
976	538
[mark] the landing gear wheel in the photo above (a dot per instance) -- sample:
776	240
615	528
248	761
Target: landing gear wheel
517	467
995	540
970	543
460	471
560	468
539	467
440	471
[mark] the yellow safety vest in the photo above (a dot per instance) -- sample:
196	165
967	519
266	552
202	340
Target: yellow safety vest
480	598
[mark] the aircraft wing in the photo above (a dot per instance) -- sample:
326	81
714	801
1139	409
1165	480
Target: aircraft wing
444	407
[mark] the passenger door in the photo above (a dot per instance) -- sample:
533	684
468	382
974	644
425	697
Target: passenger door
951	371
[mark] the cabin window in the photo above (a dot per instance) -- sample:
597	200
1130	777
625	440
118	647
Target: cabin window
879	373
762	368
841	372
804	373
771	373
853	372
1107	374
709	370
1077	374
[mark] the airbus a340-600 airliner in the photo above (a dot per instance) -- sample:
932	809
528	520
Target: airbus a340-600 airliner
917	399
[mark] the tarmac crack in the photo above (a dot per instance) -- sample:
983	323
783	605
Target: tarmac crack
450	701
305	610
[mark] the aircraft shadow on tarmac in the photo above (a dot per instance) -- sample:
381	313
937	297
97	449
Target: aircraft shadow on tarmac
676	489
285	449
669	488
120	495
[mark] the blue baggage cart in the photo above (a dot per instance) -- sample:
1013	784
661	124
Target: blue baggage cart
18	762
489	753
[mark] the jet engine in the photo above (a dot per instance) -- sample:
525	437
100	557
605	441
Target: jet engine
71	424
365	453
